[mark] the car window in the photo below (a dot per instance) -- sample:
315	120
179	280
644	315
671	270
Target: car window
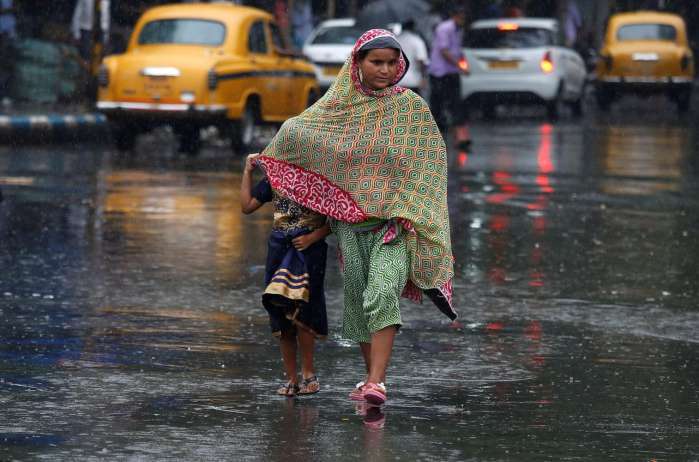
520	37
257	41
342	35
277	37
647	32
183	31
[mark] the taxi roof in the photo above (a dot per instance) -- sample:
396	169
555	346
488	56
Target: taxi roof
646	16
219	11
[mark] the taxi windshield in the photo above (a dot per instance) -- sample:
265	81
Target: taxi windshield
183	31
647	32
519	37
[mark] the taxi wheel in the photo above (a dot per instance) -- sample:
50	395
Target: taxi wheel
124	136
243	130
683	101
312	98
190	140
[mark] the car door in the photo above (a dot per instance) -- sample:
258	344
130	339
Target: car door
262	61
287	85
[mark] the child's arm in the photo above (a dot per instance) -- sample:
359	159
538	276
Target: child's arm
305	241
248	204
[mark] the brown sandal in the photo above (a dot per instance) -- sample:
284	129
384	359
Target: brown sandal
309	386
289	389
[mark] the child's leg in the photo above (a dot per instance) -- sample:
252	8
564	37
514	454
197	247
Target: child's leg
287	344
306	344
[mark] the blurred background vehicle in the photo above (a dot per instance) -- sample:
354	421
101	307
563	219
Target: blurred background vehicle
521	61
197	65
328	47
645	53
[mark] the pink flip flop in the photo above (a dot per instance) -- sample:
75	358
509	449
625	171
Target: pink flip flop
374	393
357	393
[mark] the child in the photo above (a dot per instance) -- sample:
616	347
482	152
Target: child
294	276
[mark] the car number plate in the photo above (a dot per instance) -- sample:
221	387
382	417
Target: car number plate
158	87
331	70
503	64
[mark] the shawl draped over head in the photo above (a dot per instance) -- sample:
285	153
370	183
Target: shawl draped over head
359	153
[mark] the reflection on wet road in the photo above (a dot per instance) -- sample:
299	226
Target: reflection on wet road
131	327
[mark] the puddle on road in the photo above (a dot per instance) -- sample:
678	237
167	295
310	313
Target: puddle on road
131	325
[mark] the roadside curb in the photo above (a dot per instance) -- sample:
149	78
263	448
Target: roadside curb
48	125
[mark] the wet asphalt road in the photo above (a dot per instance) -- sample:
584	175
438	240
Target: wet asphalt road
131	327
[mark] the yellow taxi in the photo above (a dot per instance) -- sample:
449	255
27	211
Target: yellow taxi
645	52
200	64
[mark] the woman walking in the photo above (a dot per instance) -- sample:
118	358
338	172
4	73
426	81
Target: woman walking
369	155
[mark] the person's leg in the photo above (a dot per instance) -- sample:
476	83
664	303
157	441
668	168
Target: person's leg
381	348
452	85
287	343
366	354
354	257
306	345
310	383
388	274
437	101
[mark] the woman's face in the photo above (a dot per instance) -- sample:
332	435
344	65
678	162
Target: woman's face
379	67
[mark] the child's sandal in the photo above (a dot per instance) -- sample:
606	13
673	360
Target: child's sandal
289	390
309	386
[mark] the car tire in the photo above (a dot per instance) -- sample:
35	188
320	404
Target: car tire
312	98
189	139
124	136
683	102
577	107
555	106
488	111
603	98
243	130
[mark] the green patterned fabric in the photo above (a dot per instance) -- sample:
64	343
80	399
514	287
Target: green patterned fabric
375	273
356	155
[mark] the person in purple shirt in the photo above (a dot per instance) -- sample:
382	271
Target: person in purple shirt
444	69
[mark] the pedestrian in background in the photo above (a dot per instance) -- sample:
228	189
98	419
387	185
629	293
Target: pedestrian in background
416	51
370	156
301	22
294	295
8	36
89	28
445	70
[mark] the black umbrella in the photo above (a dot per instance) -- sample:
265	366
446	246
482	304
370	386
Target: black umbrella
380	13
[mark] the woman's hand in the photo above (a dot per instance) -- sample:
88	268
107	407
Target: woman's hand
251	162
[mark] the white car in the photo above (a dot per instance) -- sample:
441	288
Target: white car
520	61
328	47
